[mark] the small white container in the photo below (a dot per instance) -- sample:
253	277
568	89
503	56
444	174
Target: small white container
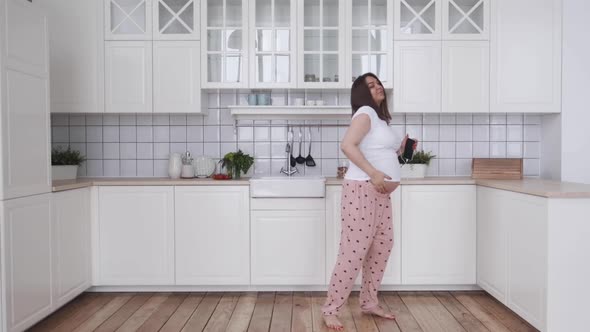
310	103
319	102
64	172
188	172
174	166
413	171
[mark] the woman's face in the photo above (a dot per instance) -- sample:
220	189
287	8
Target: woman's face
376	89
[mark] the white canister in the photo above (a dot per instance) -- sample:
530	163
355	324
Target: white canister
188	172
174	166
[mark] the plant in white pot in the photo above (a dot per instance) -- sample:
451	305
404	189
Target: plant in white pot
64	163
417	166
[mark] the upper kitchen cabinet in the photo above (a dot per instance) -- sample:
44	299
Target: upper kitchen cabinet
224	34
128	19
525	56
370	45
417	19
321	44
176	20
76	37
272	43
441	19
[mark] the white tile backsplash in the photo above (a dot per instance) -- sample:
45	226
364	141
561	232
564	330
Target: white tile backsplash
139	145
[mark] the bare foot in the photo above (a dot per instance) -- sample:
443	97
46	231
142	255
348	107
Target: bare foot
378	311
333	323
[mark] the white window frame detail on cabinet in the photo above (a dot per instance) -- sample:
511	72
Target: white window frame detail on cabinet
176	77
147	30
465	76
417	93
525	79
435	30
118	98
340	52
273	53
191	34
387	81
484	32
244	53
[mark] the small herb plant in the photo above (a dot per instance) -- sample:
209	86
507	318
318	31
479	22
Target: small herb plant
237	162
66	157
421	157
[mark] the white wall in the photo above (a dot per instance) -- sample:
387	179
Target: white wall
575	119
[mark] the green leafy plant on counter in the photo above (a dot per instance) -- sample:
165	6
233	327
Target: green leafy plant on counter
236	162
66	157
421	157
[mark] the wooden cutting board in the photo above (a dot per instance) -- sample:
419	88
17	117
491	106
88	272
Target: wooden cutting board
497	168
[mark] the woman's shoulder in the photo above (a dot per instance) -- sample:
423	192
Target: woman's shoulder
368	110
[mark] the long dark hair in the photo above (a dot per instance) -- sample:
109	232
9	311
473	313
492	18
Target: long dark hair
360	95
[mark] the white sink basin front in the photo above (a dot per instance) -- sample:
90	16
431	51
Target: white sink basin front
284	186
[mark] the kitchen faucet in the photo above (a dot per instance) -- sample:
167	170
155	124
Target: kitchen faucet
289	149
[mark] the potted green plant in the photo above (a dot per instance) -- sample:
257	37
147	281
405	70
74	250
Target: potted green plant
237	163
417	166
64	163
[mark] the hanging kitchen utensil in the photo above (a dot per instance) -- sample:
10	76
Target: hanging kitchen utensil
309	159
300	159
291	158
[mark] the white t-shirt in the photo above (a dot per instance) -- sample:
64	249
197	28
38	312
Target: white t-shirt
379	147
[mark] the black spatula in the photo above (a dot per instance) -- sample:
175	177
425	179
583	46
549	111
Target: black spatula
300	159
309	159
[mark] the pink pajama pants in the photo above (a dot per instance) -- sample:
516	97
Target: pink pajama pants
366	241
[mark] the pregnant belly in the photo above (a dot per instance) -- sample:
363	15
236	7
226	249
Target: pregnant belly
390	186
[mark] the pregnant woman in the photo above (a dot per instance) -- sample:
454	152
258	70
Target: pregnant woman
367	226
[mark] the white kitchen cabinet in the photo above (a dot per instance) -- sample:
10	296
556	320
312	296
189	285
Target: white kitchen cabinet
176	20
438	242
128	76
441	19
525	54
492	242
70	221
465	76
128	19
512	251
177	77
24	95
76	38
392	274
273	43
212	241
135	235
321	34
26	260
224	33
417	78
369	41
288	246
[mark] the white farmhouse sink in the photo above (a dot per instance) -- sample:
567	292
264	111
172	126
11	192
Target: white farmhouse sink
284	186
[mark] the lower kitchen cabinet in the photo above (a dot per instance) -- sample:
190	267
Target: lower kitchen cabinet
71	244
288	246
212	235
26	261
438	234
392	274
135	235
512	251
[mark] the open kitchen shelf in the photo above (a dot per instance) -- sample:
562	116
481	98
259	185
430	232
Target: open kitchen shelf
271	112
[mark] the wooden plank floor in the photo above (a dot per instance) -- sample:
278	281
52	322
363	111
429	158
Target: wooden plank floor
280	311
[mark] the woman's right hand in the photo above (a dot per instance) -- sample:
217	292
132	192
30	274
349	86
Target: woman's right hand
378	180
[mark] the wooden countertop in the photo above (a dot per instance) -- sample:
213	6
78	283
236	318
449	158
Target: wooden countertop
531	186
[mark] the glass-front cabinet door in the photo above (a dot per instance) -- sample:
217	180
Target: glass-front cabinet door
176	19
371	39
418	19
224	43
272	43
128	19
321	44
466	19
